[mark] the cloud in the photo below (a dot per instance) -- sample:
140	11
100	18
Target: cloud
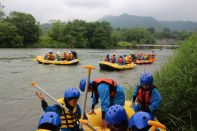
90	10
87	3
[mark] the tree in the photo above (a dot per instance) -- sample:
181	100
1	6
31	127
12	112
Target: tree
9	36
102	35
56	31
2	14
26	25
139	35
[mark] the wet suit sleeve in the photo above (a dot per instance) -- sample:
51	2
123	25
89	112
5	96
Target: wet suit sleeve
103	91
55	108
155	100
135	93
93	101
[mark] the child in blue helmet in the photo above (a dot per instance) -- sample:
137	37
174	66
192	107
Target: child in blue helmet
69	117
147	96
139	121
49	121
116	118
108	91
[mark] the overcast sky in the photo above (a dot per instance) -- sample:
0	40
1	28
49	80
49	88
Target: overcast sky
91	10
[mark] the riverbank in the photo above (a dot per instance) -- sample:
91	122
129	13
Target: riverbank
177	84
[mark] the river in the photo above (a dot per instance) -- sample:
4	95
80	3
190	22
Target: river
20	109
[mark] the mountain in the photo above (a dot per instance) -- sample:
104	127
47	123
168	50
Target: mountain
132	21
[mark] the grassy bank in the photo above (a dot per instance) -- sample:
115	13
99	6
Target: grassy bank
177	83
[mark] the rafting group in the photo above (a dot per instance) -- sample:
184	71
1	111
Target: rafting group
126	61
115	114
65	58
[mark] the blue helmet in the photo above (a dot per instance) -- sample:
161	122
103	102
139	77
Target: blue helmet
82	84
146	79
116	115
71	93
50	118
140	120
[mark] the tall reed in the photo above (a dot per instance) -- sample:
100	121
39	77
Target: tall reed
177	83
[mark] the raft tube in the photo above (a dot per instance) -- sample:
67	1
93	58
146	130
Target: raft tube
149	61
114	66
41	60
96	120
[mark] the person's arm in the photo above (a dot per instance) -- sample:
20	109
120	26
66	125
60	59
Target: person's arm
135	93
94	102
103	90
155	100
45	106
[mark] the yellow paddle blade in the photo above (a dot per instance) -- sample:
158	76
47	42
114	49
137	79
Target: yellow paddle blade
157	124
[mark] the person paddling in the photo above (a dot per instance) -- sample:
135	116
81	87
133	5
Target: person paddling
69	117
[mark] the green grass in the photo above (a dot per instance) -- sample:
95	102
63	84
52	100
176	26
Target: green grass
177	83
124	44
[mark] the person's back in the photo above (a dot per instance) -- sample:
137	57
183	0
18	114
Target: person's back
58	56
46	56
107	59
113	58
107	90
51	56
121	60
70	56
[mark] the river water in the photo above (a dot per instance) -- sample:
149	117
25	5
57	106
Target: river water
20	109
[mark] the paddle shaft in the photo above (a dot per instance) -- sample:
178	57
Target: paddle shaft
49	96
85	98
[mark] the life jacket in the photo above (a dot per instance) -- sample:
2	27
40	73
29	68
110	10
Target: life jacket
70	56
112	87
51	57
65	56
126	59
120	60
130	59
144	96
69	119
113	59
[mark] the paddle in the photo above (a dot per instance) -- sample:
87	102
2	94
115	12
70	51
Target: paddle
156	125
88	67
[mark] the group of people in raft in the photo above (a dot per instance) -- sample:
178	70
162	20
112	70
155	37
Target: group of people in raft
146	100
127	59
66	55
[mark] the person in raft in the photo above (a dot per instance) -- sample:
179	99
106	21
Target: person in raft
69	117
109	92
147	96
113	58
116	118
107	59
49	121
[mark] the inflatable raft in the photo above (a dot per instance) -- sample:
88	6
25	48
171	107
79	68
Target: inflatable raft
149	61
41	60
96	121
114	66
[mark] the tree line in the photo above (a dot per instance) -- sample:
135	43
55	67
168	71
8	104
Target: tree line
20	29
